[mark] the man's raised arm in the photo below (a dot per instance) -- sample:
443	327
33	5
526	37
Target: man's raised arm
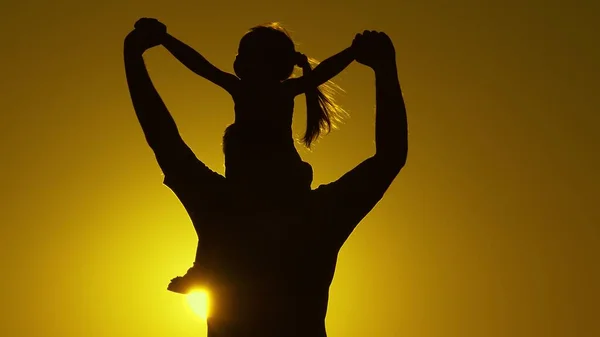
156	121
391	126
175	158
355	194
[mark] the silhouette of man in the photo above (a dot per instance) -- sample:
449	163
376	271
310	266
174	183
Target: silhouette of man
268	243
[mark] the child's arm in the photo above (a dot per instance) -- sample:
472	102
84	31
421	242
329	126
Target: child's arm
322	73
199	65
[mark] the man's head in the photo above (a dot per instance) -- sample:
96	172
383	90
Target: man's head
247	164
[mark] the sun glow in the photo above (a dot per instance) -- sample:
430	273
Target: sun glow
198	301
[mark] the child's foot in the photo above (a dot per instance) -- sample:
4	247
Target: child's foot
186	283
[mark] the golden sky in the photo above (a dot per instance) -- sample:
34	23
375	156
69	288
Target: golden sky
490	230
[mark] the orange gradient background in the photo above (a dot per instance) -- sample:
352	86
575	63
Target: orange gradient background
492	229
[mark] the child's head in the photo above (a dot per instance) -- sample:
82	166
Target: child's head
266	52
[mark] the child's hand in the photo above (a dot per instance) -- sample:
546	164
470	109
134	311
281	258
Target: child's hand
139	40
356	42
374	49
148	33
152	27
301	60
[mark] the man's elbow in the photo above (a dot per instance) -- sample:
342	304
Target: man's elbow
164	142
398	161
394	161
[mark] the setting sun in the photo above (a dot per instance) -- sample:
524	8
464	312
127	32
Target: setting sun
198	301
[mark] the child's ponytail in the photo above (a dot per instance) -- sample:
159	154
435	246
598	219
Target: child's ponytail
321	110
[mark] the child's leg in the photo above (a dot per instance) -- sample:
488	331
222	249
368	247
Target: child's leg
185	284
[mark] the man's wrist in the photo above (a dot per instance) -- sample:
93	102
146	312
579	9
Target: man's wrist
384	68
131	49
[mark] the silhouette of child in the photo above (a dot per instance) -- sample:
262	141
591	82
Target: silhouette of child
263	91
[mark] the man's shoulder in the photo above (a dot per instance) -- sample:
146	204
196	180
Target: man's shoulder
325	189
201	177
324	197
200	196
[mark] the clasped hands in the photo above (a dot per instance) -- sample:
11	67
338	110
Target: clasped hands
371	48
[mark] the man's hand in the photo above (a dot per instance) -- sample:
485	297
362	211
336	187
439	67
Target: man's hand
374	49
148	33
151	25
